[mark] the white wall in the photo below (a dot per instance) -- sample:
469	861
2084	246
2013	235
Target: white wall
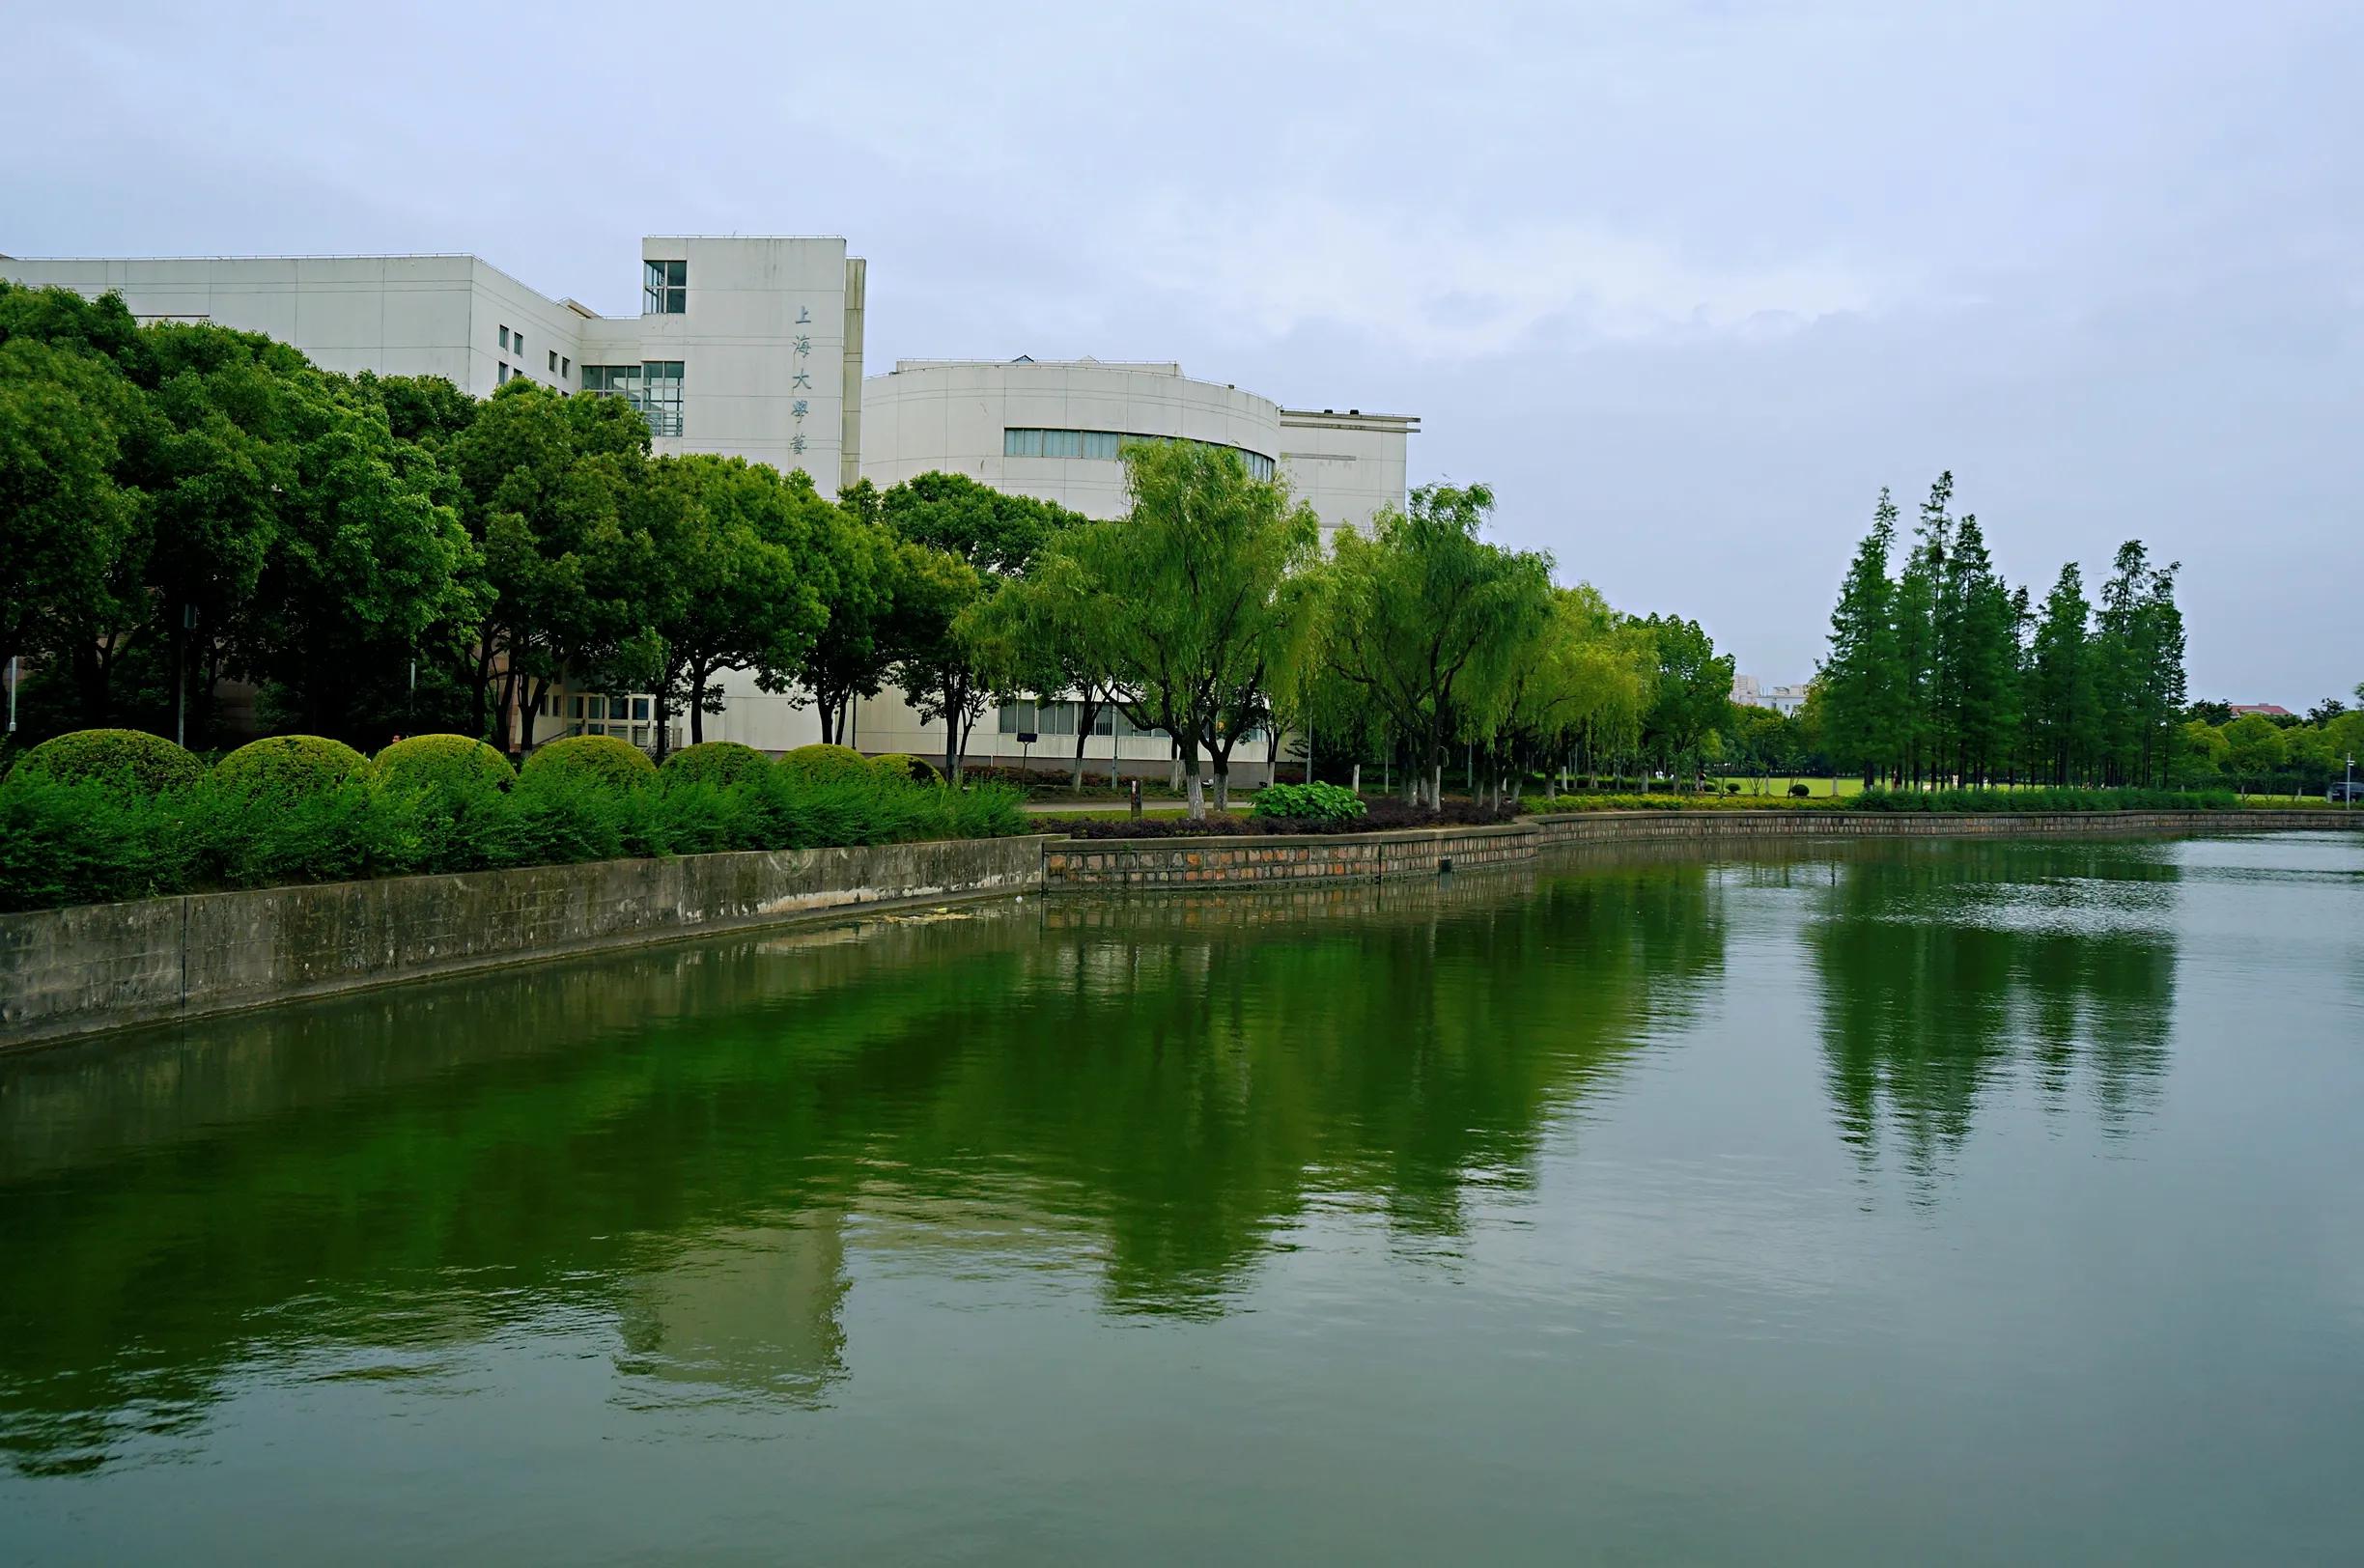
1348	465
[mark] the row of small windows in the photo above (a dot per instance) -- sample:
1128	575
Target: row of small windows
1061	718
1024	442
560	366
653	386
664	287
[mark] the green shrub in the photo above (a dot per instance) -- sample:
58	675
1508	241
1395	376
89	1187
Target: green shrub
1732	789
815	762
1800	791
904	766
447	766
289	765
82	841
619	765
714	761
88	840
1313	802
148	764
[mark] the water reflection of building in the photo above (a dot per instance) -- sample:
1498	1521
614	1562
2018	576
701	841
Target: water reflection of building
753	1308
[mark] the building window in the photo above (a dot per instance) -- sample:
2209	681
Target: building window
516	341
660	391
664	287
554	360
566	367
504	372
1105	445
504	337
655	388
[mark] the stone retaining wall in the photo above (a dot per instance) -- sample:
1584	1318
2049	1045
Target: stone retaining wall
1253	861
1249	861
105	966
1728	823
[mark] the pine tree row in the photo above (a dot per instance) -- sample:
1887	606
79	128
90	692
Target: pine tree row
1944	673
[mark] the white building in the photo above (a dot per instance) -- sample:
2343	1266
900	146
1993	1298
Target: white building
753	348
1785	700
750	347
1055	431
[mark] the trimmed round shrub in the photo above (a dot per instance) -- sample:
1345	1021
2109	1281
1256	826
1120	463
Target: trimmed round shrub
445	765
1800	791
290	765
902	765
601	758
720	763
1732	789
147	762
825	765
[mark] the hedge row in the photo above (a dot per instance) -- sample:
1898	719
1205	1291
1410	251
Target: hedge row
83	825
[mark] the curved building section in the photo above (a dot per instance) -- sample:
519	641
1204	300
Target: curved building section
1057	430
1051	430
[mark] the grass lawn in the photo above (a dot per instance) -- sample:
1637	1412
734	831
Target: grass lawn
1779	784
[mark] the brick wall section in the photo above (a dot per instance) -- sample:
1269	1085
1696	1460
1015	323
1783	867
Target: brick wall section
1727	824
1261	861
96	966
1254	862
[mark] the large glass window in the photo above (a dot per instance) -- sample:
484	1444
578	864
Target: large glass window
664	287
655	388
661	393
1021	441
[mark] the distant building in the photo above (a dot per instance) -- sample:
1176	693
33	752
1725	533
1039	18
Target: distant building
1784	700
2264	710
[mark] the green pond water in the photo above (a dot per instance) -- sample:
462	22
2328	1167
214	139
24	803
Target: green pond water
1884	1203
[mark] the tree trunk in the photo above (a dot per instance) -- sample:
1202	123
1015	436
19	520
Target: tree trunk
1194	787
952	734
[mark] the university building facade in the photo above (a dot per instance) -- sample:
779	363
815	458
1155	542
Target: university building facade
752	348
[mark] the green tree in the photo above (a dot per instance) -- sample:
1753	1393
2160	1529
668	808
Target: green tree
2255	748
553	495
2200	753
1858	679
856	648
1692	694
1186	596
366	555
2061	700
948	659
66	523
1426	620
747	576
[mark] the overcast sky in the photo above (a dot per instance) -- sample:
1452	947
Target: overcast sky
1685	284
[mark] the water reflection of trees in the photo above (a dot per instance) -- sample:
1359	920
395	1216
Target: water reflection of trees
680	1141
1945	967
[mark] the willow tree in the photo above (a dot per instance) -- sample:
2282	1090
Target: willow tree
1586	676
1429	621
1186	597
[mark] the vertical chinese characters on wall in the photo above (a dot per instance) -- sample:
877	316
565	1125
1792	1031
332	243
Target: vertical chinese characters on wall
800	378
